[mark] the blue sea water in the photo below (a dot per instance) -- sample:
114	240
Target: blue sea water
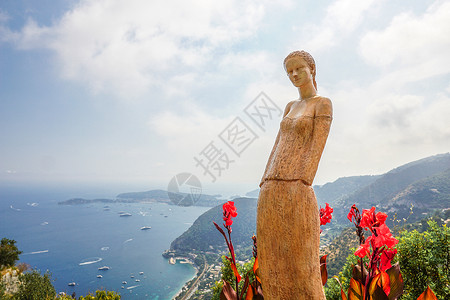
73	241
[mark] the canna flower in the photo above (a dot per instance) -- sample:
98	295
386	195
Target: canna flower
384	237
364	249
369	219
325	214
229	212
386	257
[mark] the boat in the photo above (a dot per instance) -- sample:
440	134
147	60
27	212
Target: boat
132	276
137	280
104	268
99	276
71	284
125	214
141	273
124	282
146	227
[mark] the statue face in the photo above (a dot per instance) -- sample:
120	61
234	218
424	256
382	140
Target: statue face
298	71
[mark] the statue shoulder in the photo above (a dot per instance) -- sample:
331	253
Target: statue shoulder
288	107
324	107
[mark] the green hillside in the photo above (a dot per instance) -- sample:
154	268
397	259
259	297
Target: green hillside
203	235
333	191
382	191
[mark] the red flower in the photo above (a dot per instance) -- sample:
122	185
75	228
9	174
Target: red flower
364	249
386	258
325	214
352	213
370	219
229	211
384	237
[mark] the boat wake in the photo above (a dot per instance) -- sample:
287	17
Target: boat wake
36	252
132	287
16	209
127	241
91	260
104	248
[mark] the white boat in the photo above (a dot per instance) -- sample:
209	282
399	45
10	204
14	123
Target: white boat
125	214
124	282
146	227
71	284
99	276
141	273
137	280
104	268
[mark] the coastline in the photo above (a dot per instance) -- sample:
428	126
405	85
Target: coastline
184	260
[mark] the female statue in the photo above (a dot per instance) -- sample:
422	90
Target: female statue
288	214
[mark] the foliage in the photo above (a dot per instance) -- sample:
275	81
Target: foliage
333	289
425	261
101	295
9	253
35	286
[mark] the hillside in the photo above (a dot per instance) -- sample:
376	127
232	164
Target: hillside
389	186
203	235
333	191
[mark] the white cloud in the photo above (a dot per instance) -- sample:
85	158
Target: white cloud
411	39
128	47
342	18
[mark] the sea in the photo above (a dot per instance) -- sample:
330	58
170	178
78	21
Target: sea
73	241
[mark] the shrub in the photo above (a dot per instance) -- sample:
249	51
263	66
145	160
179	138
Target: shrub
9	253
35	286
425	261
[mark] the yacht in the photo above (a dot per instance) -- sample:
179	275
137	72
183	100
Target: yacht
104	268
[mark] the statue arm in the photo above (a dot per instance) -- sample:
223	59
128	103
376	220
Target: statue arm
322	123
269	162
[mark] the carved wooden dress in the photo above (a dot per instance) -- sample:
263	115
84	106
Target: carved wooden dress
288	214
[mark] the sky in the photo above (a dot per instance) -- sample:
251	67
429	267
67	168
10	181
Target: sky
135	92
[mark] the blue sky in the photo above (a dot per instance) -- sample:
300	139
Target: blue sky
131	91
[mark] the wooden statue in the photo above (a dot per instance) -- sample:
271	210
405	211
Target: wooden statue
288	215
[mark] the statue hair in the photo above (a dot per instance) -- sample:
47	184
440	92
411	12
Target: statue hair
309	60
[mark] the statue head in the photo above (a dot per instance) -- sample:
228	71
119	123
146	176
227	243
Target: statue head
308	59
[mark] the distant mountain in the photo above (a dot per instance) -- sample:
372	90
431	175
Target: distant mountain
162	196
387	189
336	190
424	183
